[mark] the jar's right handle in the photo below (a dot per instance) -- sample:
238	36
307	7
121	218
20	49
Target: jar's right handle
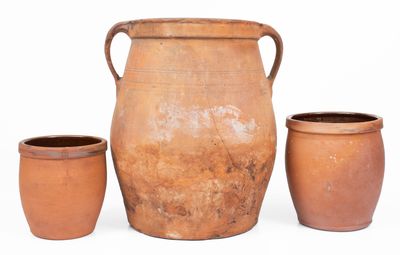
269	31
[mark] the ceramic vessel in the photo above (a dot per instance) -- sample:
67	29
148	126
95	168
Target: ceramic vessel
62	182
335	167
193	132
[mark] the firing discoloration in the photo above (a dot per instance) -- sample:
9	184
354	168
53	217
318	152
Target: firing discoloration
191	196
194	120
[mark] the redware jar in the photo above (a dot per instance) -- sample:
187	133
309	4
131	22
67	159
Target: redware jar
62	181
335	167
193	134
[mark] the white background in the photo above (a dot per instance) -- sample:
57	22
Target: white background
341	55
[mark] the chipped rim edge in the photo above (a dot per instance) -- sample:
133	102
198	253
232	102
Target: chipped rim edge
59	153
334	128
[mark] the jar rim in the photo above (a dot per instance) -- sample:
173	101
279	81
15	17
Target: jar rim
194	28
334	122
62	146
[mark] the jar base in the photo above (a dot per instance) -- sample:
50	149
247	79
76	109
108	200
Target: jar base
61	237
195	238
335	228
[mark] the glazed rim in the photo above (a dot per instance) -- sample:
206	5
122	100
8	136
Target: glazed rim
62	147
194	28
334	122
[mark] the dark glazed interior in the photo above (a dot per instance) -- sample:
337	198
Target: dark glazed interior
334	117
62	141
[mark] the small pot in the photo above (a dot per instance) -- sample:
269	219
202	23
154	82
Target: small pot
335	167
62	182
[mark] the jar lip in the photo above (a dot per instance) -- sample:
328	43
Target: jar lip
62	146
194	28
334	122
193	20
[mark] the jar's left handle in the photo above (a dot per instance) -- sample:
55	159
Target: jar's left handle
119	27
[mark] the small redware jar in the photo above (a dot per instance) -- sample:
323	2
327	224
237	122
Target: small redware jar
335	168
62	182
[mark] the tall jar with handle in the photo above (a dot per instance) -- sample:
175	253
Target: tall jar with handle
193	133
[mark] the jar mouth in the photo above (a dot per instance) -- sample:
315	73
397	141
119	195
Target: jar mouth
62	141
334	122
334	117
62	146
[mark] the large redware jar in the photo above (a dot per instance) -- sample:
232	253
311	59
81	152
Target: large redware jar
193	134
335	166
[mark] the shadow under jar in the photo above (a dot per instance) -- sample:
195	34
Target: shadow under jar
335	168
62	182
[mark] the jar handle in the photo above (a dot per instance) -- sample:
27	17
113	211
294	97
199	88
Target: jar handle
119	27
269	31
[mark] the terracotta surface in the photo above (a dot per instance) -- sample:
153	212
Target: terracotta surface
335	167
193	133
62	183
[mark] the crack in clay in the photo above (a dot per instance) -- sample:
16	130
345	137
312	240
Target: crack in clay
215	126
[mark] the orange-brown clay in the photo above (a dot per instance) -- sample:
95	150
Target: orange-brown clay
335	167
62	184
193	133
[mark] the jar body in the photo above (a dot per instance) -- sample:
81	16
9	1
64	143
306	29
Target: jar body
335	179
193	136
